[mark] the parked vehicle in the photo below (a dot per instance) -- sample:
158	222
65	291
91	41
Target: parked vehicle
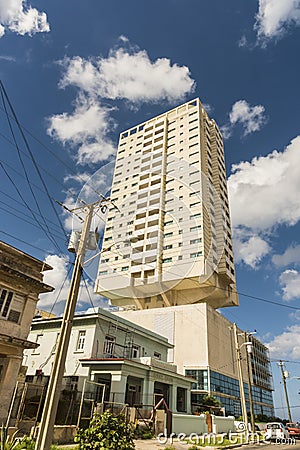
293	429
276	431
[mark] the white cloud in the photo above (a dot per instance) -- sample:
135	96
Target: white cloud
275	16
250	250
287	344
7	57
86	129
19	17
126	74
290	280
242	42
265	192
59	279
129	75
291	255
208	108
251	118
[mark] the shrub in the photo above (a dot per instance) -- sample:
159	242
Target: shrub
106	432
8	442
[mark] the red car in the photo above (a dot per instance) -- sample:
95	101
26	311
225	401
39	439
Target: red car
293	429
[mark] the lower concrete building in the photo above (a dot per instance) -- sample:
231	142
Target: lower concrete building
21	282
204	349
109	356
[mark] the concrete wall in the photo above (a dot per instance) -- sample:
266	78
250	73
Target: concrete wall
33	359
184	326
222	424
221	346
183	423
201	335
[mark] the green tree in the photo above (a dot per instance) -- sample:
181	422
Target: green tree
106	432
210	400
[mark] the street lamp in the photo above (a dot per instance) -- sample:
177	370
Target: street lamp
248	345
249	376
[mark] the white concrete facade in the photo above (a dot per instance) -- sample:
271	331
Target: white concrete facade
170	241
204	348
129	359
21	282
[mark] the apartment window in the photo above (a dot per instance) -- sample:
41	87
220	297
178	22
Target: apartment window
157	355
103	272
166	260
11	305
80	340
135	351
38	338
125	268
197	227
181	399
192	129
196	241
166	235
168	247
109	345
194	204
195	255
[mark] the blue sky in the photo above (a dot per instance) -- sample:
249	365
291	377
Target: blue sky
77	73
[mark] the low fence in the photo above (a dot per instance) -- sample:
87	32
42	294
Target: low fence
187	424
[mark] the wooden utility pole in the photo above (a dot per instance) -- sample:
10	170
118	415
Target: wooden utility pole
47	423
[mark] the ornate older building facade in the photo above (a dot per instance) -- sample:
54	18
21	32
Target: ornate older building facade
21	282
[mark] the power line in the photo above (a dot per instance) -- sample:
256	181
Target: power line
27	177
21	204
24	242
32	213
32	157
41	167
24	220
56	156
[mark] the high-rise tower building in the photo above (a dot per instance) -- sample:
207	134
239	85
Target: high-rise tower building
169	242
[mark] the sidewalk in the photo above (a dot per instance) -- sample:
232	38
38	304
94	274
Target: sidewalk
153	444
